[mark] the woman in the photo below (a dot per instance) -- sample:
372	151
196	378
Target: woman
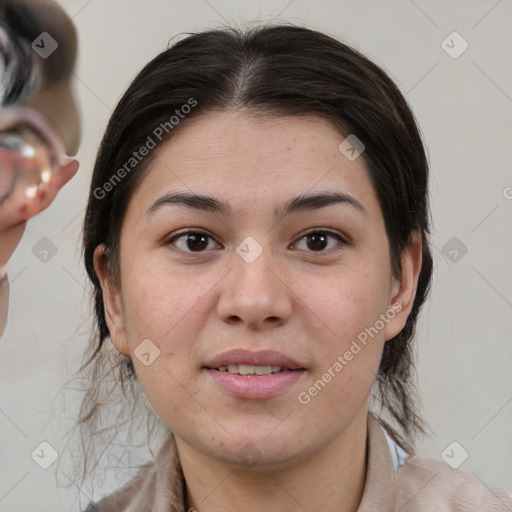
257	239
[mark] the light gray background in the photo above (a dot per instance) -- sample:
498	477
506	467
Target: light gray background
464	107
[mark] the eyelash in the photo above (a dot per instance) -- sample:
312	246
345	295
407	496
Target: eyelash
327	232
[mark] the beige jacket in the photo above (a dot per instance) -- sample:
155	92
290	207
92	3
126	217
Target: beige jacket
392	485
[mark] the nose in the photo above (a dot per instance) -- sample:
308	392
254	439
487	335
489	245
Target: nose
255	292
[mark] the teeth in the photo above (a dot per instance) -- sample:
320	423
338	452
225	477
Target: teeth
247	369
262	370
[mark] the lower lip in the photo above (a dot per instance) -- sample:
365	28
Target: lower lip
255	386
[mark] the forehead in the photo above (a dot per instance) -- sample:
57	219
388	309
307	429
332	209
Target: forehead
244	157
236	135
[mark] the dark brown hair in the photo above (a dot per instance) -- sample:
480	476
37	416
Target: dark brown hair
271	70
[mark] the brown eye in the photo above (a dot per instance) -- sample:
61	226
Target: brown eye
317	241
194	241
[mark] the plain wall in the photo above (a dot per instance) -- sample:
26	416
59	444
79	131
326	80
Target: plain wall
464	108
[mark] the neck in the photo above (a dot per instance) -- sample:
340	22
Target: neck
331	480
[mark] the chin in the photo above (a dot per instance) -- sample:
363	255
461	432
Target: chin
257	452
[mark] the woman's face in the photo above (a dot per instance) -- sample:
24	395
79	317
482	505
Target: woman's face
265	283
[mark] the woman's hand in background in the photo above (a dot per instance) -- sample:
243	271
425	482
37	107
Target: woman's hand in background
33	168
18	204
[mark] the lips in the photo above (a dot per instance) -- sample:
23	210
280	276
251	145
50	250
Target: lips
245	374
244	358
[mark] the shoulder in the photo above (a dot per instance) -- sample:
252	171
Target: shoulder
130	492
424	484
157	487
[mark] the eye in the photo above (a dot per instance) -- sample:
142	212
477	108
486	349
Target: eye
196	241
317	240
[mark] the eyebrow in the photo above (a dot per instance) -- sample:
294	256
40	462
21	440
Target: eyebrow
298	204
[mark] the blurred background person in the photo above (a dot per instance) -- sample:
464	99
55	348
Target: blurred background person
39	118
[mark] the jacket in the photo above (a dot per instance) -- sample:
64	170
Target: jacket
394	482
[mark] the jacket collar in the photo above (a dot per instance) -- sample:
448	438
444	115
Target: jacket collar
379	487
378	491
160	486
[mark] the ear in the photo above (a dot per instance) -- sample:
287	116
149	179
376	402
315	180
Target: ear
112	302
404	289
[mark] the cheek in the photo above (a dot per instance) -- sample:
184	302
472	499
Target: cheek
346	301
166	308
348	345
165	312
157	303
